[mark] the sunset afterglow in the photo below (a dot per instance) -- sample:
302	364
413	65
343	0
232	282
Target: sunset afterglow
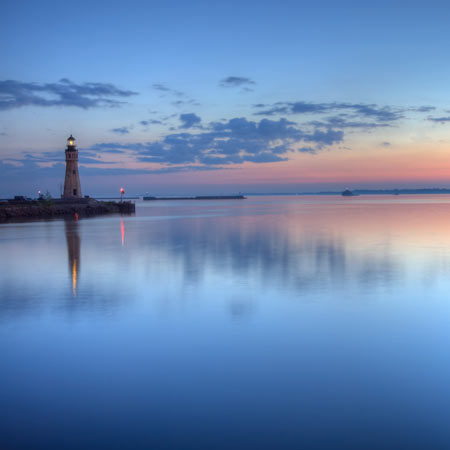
181	105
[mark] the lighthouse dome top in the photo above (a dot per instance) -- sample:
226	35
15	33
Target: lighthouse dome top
70	140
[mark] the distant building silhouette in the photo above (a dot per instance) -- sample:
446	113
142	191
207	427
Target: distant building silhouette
72	186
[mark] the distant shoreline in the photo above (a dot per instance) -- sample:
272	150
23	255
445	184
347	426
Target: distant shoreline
424	191
361	192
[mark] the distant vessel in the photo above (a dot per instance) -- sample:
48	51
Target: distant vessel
348	193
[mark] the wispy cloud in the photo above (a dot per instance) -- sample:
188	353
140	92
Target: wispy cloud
15	94
120	130
311	150
212	146
343	121
109	147
189	120
11	170
161	87
166	89
182	99
423	109
233	81
232	142
146	123
180	103
371	111
439	119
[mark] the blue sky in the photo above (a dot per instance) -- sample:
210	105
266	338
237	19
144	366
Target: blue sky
175	97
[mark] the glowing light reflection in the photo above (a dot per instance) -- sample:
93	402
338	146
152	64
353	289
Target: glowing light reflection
74	277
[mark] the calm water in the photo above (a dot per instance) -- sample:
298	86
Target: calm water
272	322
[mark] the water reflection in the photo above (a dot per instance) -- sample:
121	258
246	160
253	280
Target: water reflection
73	252
235	257
278	255
322	323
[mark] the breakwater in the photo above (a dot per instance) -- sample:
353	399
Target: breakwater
35	209
199	197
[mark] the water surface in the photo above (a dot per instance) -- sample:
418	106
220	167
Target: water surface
271	322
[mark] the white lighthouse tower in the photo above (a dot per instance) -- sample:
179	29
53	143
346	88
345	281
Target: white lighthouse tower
72	186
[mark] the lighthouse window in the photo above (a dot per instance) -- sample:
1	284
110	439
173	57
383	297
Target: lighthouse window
74	172
74	192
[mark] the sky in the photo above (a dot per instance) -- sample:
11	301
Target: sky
177	97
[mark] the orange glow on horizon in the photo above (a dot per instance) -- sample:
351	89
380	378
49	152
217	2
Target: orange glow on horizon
409	164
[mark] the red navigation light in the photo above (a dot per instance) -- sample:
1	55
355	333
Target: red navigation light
122	191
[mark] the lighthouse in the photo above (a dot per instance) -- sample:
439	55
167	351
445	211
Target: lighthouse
72	186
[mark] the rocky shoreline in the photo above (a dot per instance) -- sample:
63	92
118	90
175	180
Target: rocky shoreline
49	210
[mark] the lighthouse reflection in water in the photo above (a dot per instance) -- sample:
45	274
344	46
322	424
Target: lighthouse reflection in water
73	252
274	322
73	241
